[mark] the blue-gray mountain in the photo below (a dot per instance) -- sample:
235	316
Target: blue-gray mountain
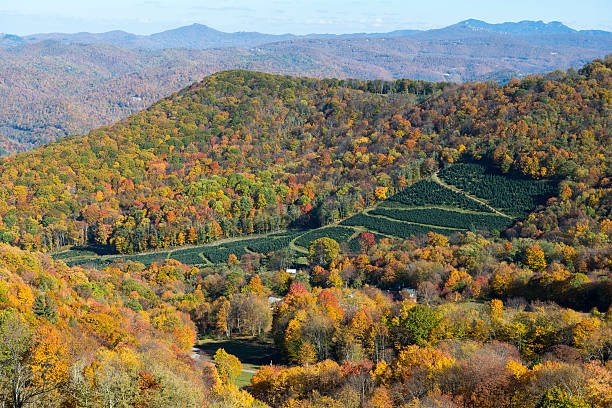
199	36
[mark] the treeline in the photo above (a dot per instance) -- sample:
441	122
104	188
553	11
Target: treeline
399	86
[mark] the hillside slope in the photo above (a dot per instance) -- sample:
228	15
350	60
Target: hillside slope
58	84
458	199
244	152
421	321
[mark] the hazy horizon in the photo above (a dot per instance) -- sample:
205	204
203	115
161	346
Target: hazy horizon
277	17
374	31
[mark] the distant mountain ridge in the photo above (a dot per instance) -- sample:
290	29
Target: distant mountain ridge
521	27
199	36
195	36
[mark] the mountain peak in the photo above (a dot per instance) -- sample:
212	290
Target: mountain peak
521	27
196	27
199	26
193	29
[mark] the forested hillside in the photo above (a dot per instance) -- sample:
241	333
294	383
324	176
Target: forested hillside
51	90
246	152
495	291
481	331
73	338
57	85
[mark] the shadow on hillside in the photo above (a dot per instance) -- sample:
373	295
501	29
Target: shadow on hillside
100	250
248	351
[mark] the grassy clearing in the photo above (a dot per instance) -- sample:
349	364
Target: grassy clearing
248	350
251	352
248	371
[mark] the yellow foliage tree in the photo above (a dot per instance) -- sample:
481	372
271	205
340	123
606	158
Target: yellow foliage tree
293	339
33	361
334	279
437	240
228	366
534	258
381	192
256	287
432	361
496	310
192	236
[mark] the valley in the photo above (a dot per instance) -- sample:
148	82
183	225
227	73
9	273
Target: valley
268	241
58	85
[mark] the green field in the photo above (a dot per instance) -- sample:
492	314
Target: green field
510	194
445	218
251	353
340	234
197	255
462	197
395	228
76	257
428	193
465	196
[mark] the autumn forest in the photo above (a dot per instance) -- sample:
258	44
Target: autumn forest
391	243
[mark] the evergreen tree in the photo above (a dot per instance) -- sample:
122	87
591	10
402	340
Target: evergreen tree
45	307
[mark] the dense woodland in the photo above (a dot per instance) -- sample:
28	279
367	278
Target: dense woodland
246	152
491	327
519	317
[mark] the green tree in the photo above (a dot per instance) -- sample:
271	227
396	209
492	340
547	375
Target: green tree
45	307
555	398
415	325
323	251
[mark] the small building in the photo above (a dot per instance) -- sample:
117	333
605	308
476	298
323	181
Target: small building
272	301
291	271
409	293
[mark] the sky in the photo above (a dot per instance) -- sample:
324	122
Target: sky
289	16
